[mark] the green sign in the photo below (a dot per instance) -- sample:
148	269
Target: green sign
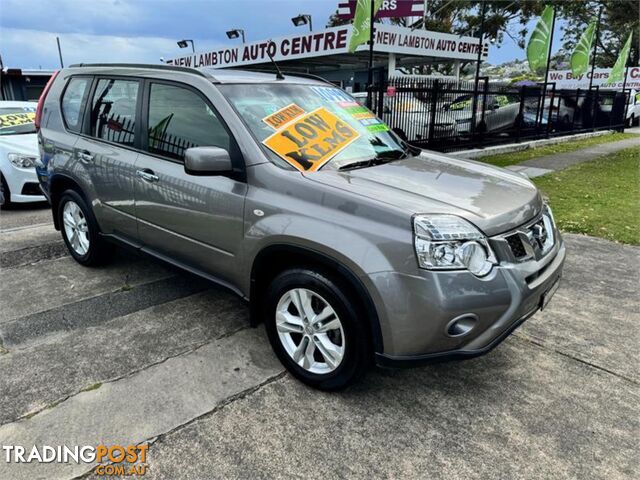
580	56
618	70
362	23
540	41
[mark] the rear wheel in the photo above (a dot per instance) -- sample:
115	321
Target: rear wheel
315	329
80	231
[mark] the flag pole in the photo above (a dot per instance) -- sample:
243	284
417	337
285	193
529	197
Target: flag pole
595	49
546	71
479	61
553	27
370	72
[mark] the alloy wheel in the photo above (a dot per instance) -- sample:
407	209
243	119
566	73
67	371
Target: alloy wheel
76	228
310	331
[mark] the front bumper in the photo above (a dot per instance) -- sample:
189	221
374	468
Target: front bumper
418	309
23	184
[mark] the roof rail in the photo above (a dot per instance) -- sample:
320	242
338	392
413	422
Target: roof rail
284	72
144	65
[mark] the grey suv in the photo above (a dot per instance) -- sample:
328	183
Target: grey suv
352	246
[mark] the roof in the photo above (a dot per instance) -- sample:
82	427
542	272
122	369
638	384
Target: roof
215	75
233	75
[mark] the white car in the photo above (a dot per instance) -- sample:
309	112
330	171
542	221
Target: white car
410	117
18	154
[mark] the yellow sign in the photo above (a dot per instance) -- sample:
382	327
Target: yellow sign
15	119
311	140
283	116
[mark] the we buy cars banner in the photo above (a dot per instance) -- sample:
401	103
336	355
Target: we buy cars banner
565	79
389	8
335	40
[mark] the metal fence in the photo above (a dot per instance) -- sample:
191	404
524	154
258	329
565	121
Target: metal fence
450	115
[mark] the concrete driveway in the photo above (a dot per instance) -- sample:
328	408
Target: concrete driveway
139	353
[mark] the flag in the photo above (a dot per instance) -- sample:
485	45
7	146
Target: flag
580	56
618	70
362	23
538	49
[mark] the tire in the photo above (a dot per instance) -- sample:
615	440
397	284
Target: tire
631	121
5	194
341	346
86	246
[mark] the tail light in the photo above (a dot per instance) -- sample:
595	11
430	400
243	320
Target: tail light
42	98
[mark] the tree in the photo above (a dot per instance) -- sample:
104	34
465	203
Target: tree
508	18
618	19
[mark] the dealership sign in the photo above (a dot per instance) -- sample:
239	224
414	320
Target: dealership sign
388	8
333	41
566	80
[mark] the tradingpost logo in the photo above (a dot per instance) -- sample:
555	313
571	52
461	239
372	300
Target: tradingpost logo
129	460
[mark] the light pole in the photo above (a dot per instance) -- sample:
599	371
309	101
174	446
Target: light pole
185	43
303	19
235	33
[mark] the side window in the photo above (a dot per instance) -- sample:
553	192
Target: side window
180	119
113	110
73	101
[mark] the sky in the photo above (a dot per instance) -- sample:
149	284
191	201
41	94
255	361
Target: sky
142	31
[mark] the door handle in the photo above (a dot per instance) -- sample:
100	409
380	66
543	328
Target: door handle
85	157
147	175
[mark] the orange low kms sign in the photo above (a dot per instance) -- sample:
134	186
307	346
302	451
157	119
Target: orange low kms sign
311	140
283	116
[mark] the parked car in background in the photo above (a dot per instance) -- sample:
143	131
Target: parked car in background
351	245
565	110
633	110
411	117
18	154
500	113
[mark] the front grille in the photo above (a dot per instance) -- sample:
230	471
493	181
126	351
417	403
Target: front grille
31	189
517	248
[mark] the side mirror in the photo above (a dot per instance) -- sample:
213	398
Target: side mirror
207	161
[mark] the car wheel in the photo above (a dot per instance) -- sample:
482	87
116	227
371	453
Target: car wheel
314	328
632	120
5	194
80	231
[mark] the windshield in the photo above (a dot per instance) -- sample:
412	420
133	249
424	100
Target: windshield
17	120
309	126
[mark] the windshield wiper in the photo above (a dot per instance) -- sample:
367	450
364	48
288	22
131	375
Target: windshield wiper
379	159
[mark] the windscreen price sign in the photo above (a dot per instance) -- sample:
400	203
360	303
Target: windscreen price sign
16	119
311	140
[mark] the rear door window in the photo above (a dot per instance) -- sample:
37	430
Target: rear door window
73	101
113	110
179	119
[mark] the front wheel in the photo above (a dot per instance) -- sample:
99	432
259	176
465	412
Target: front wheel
315	329
5	194
80	230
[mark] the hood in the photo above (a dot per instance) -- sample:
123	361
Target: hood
494	199
26	143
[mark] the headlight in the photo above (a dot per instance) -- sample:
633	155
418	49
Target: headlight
548	208
447	242
22	161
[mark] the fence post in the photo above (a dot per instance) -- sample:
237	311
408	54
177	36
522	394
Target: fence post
575	110
593	109
553	98
520	113
381	91
485	92
432	113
